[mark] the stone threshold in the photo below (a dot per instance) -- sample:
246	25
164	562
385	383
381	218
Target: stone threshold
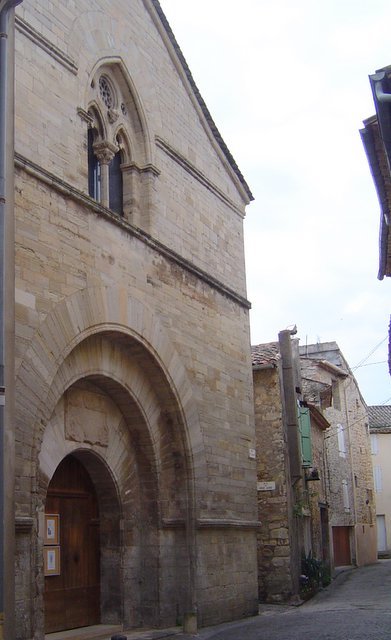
104	632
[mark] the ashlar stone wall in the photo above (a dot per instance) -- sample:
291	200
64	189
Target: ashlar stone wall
145	310
274	500
350	482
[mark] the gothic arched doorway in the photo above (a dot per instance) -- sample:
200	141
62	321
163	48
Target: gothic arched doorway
72	549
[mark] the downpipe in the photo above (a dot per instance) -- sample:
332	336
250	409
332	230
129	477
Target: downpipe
5	11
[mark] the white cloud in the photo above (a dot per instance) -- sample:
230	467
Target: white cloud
287	84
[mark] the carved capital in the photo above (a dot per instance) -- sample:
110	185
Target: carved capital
105	151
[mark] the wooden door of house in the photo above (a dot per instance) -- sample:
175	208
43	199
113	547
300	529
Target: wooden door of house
341	545
72	572
381	533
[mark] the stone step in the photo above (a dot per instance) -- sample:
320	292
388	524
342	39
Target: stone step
95	632
104	632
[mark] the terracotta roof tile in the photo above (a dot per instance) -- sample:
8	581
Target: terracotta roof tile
265	354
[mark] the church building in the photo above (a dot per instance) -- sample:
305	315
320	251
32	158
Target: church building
132	419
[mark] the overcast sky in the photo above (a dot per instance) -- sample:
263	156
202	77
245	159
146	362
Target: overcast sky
287	85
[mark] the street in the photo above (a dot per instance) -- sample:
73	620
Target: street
355	606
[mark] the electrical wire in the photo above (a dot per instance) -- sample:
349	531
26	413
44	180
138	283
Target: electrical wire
360	364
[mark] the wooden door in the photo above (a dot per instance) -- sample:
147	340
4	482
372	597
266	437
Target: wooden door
381	533
341	545
72	598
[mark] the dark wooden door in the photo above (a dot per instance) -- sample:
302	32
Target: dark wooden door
341	545
72	599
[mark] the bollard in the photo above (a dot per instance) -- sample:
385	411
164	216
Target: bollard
190	623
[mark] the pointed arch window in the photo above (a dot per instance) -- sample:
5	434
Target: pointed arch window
94	173
119	167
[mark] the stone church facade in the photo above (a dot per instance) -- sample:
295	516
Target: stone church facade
135	484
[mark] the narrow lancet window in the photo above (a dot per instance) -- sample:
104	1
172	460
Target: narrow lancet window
93	169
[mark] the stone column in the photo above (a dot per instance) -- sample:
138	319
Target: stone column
105	152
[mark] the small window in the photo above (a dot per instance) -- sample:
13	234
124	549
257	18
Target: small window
336	395
341	441
374	444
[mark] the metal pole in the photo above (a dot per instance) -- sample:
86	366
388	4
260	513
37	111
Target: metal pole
5	9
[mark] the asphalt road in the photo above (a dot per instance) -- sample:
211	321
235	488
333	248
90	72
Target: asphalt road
356	606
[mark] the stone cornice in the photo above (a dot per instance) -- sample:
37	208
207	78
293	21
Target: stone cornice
82	198
196	173
173	523
23	524
212	523
32	34
148	168
226	523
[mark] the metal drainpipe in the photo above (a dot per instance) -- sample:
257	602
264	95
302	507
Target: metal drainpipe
347	383
5	10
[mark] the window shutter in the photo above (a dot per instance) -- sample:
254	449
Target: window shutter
377	474
305	436
341	441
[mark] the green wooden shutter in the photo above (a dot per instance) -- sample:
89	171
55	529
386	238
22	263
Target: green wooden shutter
305	436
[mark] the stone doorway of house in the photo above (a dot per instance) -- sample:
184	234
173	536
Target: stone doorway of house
72	549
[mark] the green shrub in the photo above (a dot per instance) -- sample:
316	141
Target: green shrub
314	575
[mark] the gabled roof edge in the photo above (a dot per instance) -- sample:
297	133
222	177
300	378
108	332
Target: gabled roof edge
200	100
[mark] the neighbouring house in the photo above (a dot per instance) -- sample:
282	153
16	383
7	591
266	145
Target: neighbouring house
292	505
135	479
376	137
379	417
329	384
315	485
278	568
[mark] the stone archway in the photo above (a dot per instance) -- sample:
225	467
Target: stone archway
103	338
115	406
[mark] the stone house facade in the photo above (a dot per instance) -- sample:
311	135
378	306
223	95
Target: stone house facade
380	429
133	411
329	384
292	506
276	563
323	507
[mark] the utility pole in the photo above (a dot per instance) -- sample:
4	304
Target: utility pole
6	451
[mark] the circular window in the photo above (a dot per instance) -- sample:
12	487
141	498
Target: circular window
106	92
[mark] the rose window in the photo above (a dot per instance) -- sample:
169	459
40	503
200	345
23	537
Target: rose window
106	92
